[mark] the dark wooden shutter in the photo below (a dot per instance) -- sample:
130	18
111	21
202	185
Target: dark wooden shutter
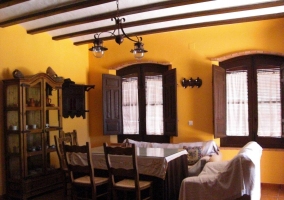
219	101
282	96
170	102
112	117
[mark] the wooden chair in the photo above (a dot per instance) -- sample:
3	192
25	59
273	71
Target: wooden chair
59	141
123	178
84	184
73	137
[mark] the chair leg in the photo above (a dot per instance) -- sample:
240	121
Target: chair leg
109	193
151	193
114	194
125	195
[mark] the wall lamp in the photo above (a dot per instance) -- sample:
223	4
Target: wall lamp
98	49
191	82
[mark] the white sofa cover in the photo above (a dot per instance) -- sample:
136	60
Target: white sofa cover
227	180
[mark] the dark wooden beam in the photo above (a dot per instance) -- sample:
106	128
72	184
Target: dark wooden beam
169	18
124	12
53	11
7	3
191	26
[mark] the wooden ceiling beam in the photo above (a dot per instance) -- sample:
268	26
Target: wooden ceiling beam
52	11
8	3
169	18
109	15
192	26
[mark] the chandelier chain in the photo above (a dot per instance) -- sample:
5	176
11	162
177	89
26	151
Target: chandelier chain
117	8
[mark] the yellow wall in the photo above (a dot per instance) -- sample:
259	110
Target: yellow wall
190	52
33	54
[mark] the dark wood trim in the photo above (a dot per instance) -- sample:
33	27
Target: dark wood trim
52	11
219	101
109	15
191	26
8	3
168	18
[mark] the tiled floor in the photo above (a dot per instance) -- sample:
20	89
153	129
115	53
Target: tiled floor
268	192
272	192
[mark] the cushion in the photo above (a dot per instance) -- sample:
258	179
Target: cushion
215	158
195	170
193	154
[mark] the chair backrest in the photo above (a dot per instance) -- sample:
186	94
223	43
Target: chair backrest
59	141
123	170
72	135
79	169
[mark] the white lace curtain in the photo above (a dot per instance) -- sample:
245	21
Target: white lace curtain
269	104
154	105
237	104
130	110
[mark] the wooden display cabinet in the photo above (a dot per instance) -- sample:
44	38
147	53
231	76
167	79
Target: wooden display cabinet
32	116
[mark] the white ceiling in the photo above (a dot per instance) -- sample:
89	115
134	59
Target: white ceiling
155	15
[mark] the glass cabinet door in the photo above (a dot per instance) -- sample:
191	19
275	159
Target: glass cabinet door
52	125
12	131
12	107
33	123
14	158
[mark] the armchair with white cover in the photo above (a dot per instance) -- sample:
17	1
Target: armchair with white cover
227	180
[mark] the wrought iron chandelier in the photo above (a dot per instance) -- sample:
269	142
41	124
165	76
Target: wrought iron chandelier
98	49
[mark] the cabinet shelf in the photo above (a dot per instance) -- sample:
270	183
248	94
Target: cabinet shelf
53	128
52	108
33	108
34	153
49	150
12	108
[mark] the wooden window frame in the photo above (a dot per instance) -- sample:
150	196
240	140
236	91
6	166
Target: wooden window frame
112	100
251	63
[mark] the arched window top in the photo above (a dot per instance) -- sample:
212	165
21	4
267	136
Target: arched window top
244	53
120	66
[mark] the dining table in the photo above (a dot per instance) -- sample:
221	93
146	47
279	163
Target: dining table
165	167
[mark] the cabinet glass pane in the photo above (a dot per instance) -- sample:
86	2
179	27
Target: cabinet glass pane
33	95
35	165
53	118
34	142
52	98
34	119
12	96
14	167
52	157
12	120
52	161
13	143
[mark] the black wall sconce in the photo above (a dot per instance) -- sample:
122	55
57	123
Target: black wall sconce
191	82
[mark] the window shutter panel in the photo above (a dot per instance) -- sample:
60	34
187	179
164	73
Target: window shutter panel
112	112
282	97
219	101
170	103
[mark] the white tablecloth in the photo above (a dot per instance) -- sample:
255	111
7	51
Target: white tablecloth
151	161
